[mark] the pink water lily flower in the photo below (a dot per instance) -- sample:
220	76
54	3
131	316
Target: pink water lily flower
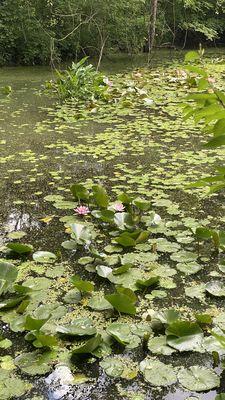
82	210
211	80
119	207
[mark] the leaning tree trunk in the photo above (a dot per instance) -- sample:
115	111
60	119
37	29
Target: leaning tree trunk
152	24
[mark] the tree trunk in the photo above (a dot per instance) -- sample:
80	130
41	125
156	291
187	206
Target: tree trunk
152	24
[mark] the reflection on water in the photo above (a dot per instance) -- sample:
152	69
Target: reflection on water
180	395
17	220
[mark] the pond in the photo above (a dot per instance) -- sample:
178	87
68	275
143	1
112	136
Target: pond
142	146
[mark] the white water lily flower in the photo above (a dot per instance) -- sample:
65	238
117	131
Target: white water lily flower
148	102
156	220
62	375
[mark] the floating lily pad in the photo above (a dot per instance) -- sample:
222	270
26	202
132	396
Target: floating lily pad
196	291
157	373
99	303
103	271
12	387
158	345
16	235
8	275
78	327
5	344
216	288
20	248
112	366
65	205
35	363
87	348
184	256
85	260
72	297
198	379
189	268
122	334
44	257
184	336
53	197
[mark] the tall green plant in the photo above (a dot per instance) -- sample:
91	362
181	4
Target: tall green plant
80	82
206	105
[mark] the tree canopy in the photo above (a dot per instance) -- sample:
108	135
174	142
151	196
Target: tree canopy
38	31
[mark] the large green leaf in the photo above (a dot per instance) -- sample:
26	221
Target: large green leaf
78	327
192	56
184	336
120	332
82	285
100	196
35	363
216	288
123	220
44	257
157	373
153	281
216	142
42	340
33	324
20	248
104	215
198	379
142	204
8	275
11	302
122	303
125	240
79	192
89	346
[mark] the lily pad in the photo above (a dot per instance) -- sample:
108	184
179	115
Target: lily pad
44	257
89	346
16	235
189	268
112	366
8	275
122	333
78	327
184	256
158	345
72	297
198	379
184	336
99	303
157	373
122	303
20	248
35	363
82	285
216	288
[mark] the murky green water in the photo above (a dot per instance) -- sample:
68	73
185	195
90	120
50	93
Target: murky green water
149	151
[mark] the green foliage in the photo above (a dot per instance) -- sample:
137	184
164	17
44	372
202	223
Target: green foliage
82	285
37	32
80	82
123	301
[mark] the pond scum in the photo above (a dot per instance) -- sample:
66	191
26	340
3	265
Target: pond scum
105	290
